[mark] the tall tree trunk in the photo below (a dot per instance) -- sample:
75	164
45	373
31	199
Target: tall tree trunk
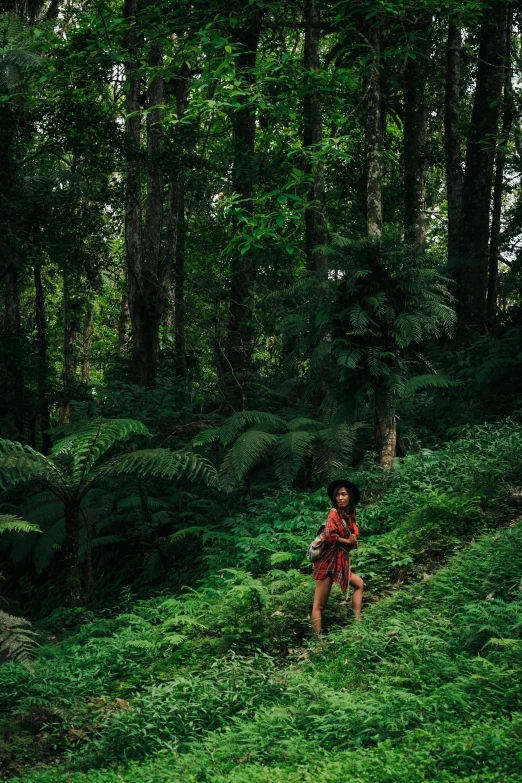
179	261
87	344
415	142
14	383
385	430
452	153
480	158
498	187
70	333
374	136
315	222
244	173
72	549
42	370
149	259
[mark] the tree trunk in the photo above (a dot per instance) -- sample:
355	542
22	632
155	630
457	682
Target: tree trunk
315	223
179	261
480	158
415	140
42	369
12	332
498	187
244	174
70	333
374	137
87	344
149	260
14	384
123	323
452	154
72	549
385	427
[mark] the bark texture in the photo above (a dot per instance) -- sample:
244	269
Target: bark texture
180	349
385	427
87	344
42	370
498	187
374	137
452	151
472	275
244	175
415	149
315	221
14	383
149	257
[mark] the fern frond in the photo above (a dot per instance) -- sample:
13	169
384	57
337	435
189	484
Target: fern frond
16	638
429	381
93	440
248	450
12	523
160	463
290	454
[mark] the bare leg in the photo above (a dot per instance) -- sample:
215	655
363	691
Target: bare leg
358	587
322	591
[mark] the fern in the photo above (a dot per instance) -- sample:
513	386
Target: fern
9	523
17	640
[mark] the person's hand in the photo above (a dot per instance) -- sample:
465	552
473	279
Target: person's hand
352	538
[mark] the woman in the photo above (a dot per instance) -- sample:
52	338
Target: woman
340	536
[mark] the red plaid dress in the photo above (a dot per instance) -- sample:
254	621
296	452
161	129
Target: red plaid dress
336	560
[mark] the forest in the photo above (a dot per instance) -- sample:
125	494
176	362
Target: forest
248	248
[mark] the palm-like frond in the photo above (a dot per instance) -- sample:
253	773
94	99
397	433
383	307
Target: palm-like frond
16	638
93	440
160	463
19	464
14	524
430	381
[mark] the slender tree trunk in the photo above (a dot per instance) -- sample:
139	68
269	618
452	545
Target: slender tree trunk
415	161
123	324
72	549
385	427
315	222
244	174
498	187
42	370
70	333
179	261
374	137
87	344
452	153
14	383
480	158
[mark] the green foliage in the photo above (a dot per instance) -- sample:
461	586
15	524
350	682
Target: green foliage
289	445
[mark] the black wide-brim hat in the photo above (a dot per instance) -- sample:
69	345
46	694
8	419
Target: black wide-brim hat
343	483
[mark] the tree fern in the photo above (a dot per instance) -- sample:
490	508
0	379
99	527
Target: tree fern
77	464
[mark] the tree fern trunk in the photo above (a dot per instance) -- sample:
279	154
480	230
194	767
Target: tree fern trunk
72	548
13	380
385	427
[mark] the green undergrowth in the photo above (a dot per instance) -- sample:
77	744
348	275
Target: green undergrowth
222	683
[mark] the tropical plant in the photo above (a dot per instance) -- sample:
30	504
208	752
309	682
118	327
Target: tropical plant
362	320
253	437
16	635
77	465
